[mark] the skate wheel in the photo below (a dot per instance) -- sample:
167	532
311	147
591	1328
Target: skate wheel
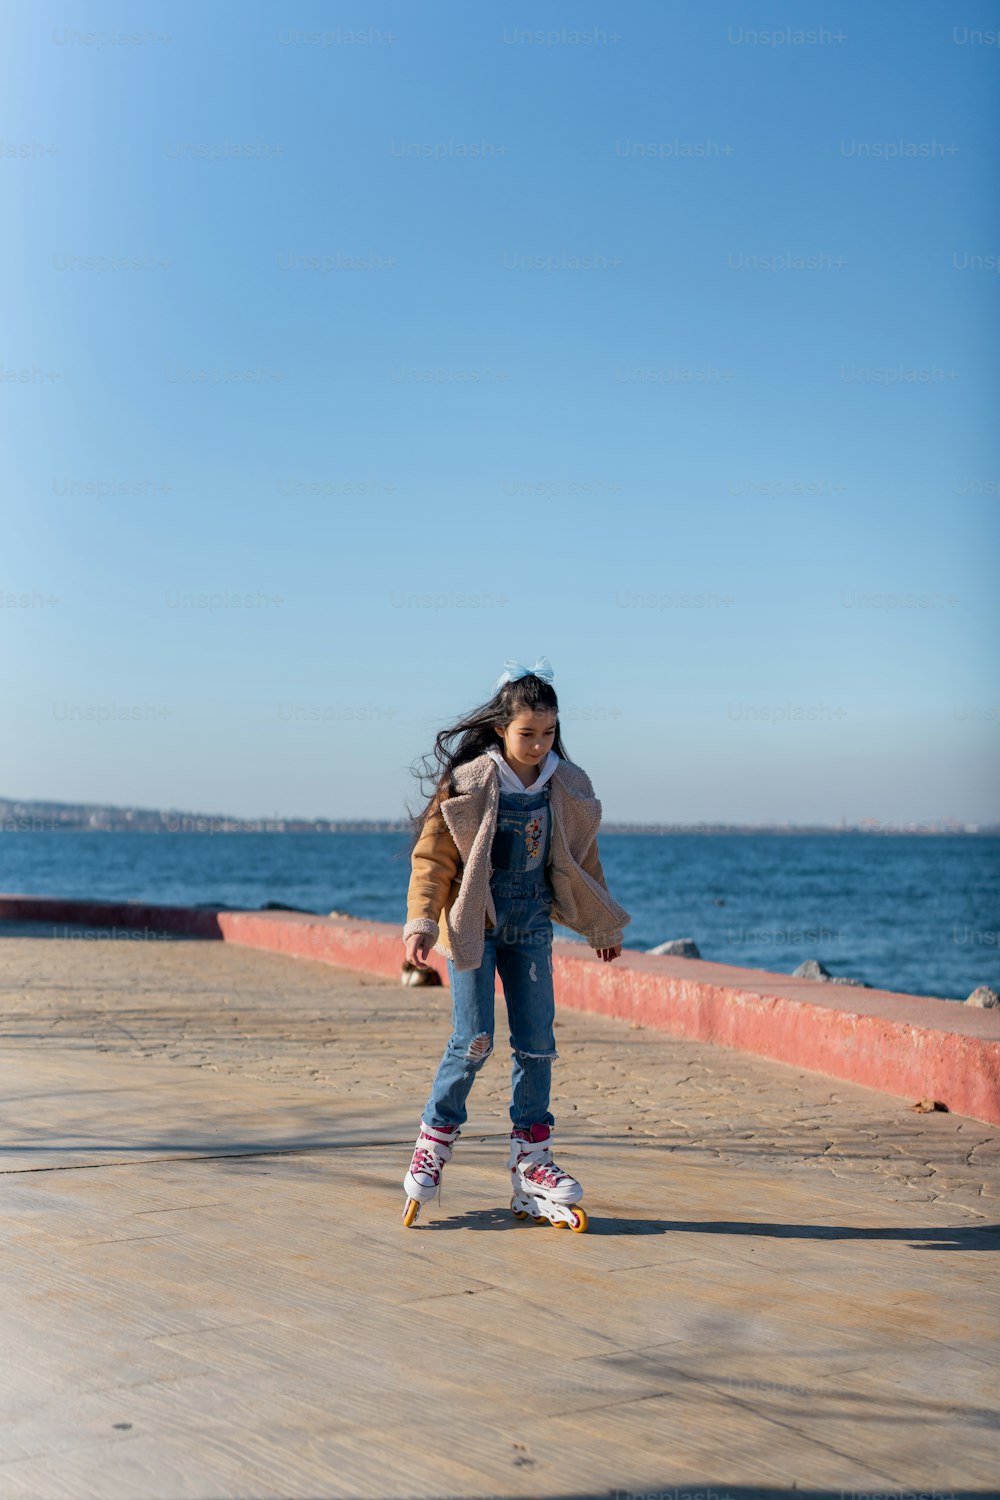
580	1220
519	1213
410	1212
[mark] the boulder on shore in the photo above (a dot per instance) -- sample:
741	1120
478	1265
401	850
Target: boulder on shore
813	969
677	948
983	996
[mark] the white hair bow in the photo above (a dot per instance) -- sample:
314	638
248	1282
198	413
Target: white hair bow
512	670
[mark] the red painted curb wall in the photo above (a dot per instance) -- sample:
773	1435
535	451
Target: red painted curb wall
906	1045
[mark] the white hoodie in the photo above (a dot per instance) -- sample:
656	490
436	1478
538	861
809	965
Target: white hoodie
511	782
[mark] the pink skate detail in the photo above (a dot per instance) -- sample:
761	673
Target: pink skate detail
540	1187
532	1163
424	1163
433	1148
546	1175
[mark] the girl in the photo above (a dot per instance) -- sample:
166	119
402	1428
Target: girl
506	845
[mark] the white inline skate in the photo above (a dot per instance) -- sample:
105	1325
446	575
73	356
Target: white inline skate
423	1179
542	1190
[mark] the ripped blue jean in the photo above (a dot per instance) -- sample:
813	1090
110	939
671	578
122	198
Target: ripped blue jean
520	948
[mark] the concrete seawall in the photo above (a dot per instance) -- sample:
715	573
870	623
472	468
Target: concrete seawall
907	1045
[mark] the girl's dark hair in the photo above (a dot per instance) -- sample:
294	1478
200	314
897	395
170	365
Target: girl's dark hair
475	732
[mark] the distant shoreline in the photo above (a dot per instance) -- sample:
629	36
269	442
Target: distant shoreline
65	817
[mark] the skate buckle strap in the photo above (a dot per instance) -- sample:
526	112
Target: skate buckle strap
526	1151
439	1136
434	1147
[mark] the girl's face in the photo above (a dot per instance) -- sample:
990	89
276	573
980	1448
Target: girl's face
528	737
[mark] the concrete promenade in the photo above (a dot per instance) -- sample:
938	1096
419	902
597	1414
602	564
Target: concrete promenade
909	1045
789	1286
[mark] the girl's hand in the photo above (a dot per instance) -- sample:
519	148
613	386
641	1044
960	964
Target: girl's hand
608	954
418	945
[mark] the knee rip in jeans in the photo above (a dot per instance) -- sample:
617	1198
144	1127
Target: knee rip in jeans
479	1048
522	1055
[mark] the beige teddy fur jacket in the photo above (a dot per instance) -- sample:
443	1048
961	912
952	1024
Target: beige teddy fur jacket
449	896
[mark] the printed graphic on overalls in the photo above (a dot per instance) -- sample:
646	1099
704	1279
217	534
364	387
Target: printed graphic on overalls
533	831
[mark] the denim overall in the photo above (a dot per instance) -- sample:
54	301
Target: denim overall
520	947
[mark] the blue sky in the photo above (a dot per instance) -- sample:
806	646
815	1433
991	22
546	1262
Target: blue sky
529	376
